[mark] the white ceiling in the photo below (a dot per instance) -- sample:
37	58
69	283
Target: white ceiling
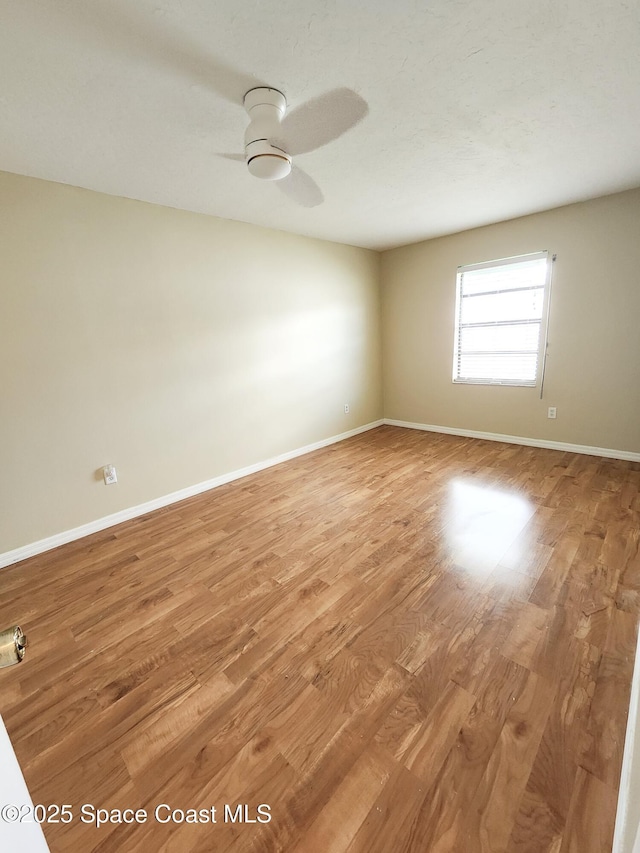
477	111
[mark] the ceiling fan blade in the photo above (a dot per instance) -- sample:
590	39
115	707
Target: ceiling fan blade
239	158
321	120
301	188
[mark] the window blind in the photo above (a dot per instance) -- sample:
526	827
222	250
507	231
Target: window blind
499	311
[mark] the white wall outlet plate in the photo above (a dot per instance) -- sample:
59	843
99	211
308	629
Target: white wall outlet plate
109	474
551	412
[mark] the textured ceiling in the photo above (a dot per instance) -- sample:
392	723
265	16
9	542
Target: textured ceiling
477	111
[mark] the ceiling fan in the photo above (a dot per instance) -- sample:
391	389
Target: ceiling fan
265	159
274	137
302	130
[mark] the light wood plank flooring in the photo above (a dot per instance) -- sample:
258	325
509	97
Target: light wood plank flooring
403	642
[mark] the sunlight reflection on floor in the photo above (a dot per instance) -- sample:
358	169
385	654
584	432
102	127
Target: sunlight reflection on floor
482	522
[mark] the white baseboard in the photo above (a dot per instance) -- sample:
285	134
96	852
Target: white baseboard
607	452
26	551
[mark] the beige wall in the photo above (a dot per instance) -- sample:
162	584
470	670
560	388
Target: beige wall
181	347
176	346
593	367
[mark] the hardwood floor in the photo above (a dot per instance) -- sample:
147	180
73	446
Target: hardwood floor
402	642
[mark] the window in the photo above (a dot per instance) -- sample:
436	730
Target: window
499	311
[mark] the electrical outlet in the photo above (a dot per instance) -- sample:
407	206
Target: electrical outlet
551	412
346	408
109	474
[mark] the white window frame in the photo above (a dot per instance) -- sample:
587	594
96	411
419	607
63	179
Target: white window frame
540	353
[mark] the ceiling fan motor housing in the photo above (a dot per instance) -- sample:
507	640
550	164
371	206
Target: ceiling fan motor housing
266	108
